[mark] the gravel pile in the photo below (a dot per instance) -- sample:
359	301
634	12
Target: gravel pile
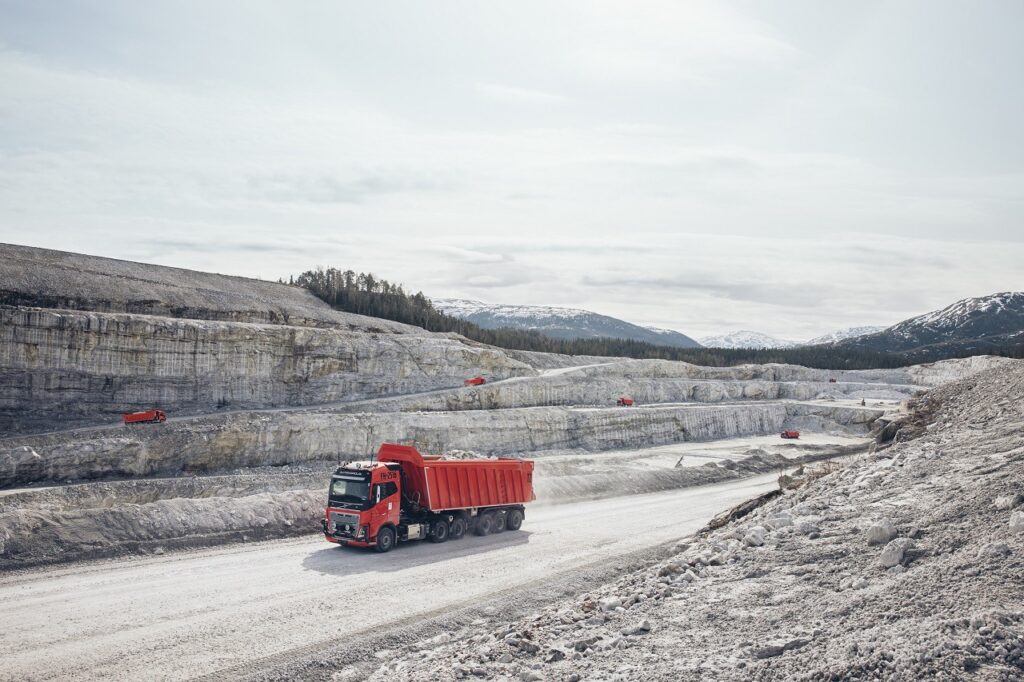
907	563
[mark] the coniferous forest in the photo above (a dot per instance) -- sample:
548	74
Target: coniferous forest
365	294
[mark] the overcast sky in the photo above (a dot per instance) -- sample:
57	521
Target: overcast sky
785	167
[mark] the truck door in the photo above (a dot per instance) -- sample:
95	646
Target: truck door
386	503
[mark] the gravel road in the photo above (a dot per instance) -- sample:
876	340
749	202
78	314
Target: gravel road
240	610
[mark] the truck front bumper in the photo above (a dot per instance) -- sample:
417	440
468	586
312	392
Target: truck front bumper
356	539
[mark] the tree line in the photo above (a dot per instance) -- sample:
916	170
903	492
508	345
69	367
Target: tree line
365	294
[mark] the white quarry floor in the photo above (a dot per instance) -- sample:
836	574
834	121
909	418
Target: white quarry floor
700	453
182	615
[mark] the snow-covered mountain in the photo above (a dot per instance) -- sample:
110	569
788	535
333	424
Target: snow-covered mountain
745	339
974	325
558	323
843	334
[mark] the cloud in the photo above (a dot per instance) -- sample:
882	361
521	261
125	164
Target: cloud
795	294
327	189
514	95
472	256
690	165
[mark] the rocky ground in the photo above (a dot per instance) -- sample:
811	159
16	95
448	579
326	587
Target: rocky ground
268	389
56	524
254	475
906	563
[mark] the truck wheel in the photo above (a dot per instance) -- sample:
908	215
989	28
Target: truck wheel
385	539
500	520
484	524
440	533
514	520
458	528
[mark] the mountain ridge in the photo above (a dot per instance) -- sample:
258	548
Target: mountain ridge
559	323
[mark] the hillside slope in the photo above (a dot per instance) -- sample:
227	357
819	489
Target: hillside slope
745	339
905	564
559	323
44	278
975	325
843	334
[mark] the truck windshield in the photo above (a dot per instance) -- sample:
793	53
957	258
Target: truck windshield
348	490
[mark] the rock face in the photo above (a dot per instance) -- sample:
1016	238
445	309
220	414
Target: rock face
220	443
74	367
647	382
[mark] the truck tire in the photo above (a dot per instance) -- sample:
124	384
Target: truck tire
514	520
484	524
440	531
500	519
385	539
458	528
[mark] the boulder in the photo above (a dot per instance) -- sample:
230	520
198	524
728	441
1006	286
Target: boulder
881	532
893	553
1004	502
1017	522
779	520
755	536
993	550
807	527
778	647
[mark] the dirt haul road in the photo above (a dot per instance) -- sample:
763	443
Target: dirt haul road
242	610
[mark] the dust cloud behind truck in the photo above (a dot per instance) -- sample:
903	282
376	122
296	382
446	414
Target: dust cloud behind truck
403	495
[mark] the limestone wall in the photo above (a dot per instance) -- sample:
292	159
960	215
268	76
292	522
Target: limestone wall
61	368
227	442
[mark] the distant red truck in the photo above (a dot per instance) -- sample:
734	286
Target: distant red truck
146	417
790	434
475	381
624	402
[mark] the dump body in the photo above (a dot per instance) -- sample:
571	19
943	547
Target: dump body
440	484
153	416
624	402
475	381
790	434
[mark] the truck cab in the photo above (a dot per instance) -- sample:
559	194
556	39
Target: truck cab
363	497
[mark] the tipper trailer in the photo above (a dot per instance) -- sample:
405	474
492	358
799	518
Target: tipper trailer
146	417
403	495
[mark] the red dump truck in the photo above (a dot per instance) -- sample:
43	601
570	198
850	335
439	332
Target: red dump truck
475	381
790	434
146	417
624	402
403	495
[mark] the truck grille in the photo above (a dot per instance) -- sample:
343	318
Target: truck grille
344	524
